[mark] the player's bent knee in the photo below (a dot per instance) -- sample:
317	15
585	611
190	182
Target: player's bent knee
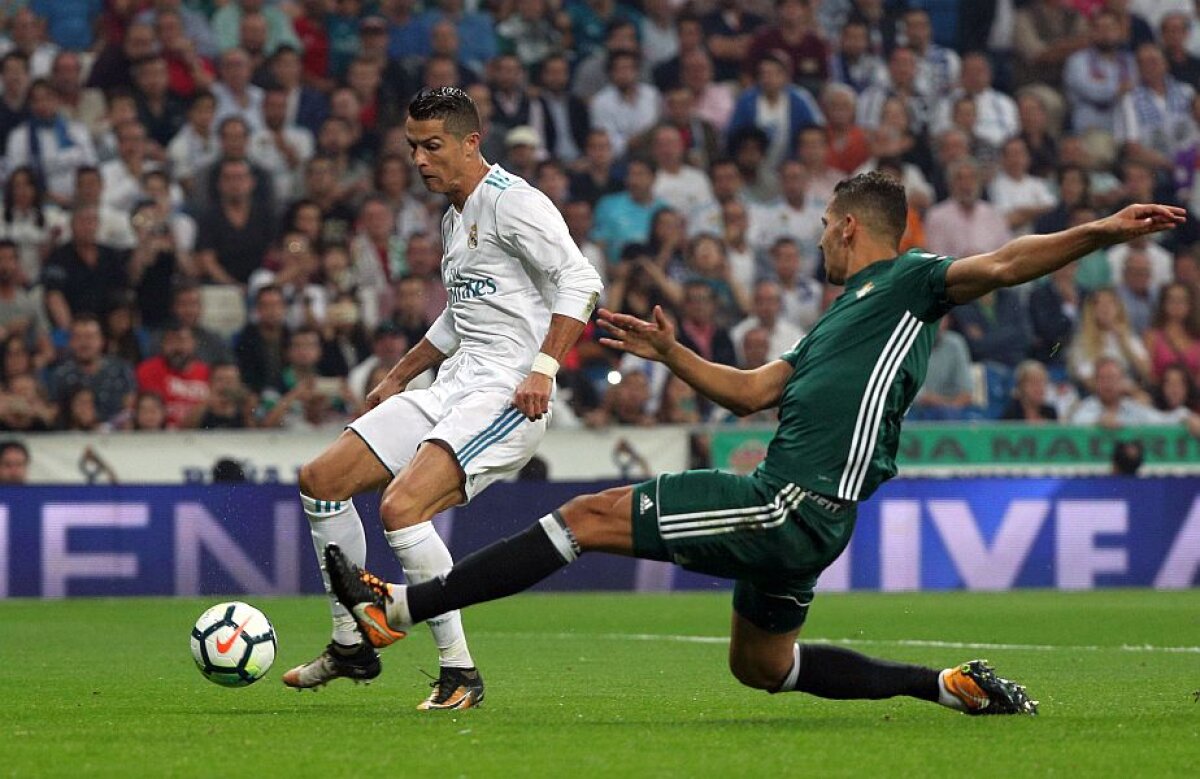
315	483
399	509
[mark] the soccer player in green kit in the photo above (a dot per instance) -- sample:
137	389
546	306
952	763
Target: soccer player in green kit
842	393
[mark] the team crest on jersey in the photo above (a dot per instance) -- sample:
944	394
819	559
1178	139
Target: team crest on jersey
870	285
473	237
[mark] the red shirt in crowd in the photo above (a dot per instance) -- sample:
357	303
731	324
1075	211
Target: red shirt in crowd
181	391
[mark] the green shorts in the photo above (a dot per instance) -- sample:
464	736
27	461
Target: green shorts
773	538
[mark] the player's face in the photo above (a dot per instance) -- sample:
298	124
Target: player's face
440	158
834	247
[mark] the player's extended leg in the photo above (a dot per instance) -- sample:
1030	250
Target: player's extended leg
599	522
775	662
327	485
430	483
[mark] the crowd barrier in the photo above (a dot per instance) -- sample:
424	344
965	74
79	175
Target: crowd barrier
915	534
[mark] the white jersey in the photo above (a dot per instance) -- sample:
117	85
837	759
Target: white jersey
508	263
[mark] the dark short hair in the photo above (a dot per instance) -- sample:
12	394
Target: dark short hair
7	243
12	443
452	105
878	200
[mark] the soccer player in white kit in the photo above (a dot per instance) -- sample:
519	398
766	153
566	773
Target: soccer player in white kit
519	294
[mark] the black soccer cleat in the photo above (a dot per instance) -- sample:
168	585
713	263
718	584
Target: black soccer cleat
982	692
361	666
455	688
364	595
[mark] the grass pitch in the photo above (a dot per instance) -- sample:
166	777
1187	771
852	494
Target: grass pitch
608	685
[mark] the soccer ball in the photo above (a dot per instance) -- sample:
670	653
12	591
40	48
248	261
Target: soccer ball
233	644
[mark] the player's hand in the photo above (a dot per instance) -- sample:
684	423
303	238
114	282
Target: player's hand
649	340
1138	219
383	390
532	397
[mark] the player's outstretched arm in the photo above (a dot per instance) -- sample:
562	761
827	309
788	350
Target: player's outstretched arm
1033	256
742	392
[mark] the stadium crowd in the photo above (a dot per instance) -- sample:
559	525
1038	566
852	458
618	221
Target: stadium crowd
210	218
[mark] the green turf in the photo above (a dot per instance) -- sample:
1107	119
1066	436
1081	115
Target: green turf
576	688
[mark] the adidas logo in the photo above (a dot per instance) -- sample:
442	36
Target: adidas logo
646	503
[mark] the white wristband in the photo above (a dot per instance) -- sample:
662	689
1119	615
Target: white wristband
545	364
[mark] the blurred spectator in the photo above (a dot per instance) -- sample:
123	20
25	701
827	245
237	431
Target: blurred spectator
83	276
595	176
1139	185
1110	407
194	147
776	106
1175	28
511	103
476	29
252	39
1173	337
1095	78
706	261
917	194
801	292
712	101
260	345
766	315
27	35
187	308
177	376
1154	117
689	37
24	407
627	106
735	235
235	94
727	187
227	22
963	225
529	33
1028	403
729	31
938	68
17	358
901	82
1073	193
794	35
795	215
14	462
21	312
946	391
193	23
278	149
1045	34
701	139
293	267
189	59
114	228
126	340
1054	309
852	63
812	148
668	248
756	349
591	19
658	32
85	106
235	232
233	137
388	345
160	112
33	228
149	412
628	401
78	412
848	144
1037	133
321	187
344	339
307	107
681	186
524	149
748	149
1136	292
698	329
228	405
995	112
578	216
306	399
1134	29
336	143
122	176
560	117
1019	196
624	217
50	143
409	311
424	259
680	403
114	64
1104	332
152	264
1175	396
110	382
160	197
14	80
551	179
996	327
393	180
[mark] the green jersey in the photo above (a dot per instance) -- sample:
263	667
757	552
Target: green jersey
856	373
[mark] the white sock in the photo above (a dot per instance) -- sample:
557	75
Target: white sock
945	697
424	556
793	674
397	614
337	522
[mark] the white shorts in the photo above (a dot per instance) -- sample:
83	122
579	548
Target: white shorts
488	436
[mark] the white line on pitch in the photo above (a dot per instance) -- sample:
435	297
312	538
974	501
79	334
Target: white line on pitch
877	642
